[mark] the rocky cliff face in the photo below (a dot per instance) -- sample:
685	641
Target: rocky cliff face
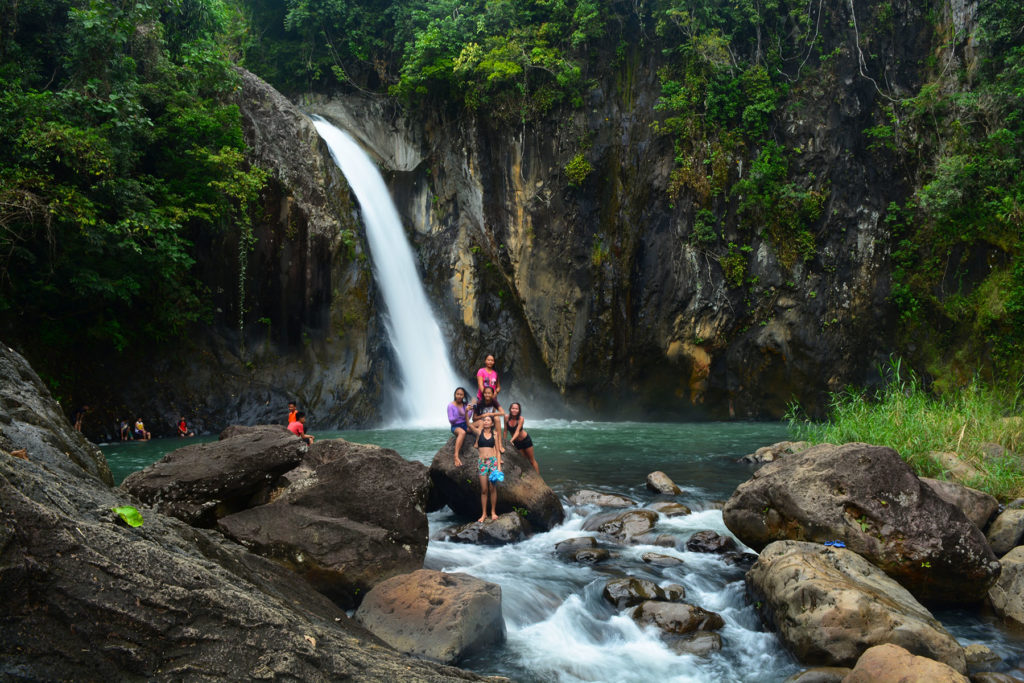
602	289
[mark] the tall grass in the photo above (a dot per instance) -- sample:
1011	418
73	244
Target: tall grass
906	417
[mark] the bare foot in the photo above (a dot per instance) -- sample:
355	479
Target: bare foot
494	516
483	518
458	463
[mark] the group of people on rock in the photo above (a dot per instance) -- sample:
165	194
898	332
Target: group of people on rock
481	418
138	431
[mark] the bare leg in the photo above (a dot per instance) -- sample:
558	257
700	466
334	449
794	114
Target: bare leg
529	454
460	434
483	497
494	499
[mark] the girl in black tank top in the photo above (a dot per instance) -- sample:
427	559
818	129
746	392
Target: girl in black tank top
515	426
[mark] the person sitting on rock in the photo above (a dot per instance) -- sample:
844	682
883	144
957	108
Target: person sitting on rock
183	430
487	406
298	428
488	443
126	431
140	430
514	425
457	417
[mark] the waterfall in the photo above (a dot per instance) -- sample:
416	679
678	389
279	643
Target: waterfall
427	377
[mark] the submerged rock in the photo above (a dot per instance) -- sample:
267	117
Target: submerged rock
571	545
351	517
869	498
201	483
830	605
605	500
698	643
523	490
435	615
659	482
508	528
669	508
623	526
676	617
660	560
629	591
889	662
820	674
710	542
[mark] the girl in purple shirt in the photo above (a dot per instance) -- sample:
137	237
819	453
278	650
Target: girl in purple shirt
457	417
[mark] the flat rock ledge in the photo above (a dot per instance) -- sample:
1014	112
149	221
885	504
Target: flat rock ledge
434	615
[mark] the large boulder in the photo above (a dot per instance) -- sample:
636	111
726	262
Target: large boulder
977	505
869	498
435	615
1007	595
86	597
523	490
829	605
350	517
893	664
201	483
676	617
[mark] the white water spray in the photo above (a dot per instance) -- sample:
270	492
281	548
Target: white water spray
428	379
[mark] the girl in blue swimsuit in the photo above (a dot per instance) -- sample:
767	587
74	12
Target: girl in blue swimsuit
488	442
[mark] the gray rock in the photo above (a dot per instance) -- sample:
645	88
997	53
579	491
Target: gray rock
435	615
890	662
669	508
1007	595
508	528
659	482
698	643
830	605
201	483
523	489
869	498
981	658
820	674
590	555
571	545
710	542
660	560
676	617
767	454
629	591
1006	532
624	526
605	500
977	505
351	517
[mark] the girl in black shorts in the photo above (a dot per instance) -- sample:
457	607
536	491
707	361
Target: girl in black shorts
514	425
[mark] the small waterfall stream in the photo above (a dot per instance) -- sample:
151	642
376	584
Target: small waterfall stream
427	376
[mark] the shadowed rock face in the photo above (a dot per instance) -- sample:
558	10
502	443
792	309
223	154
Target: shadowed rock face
523	488
87	598
830	605
869	498
351	516
201	483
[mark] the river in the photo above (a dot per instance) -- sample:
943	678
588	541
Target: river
559	627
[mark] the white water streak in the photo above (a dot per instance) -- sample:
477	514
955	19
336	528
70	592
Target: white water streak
427	377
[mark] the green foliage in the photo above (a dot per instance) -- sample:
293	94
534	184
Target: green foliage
119	151
129	515
906	417
704	227
577	169
734	264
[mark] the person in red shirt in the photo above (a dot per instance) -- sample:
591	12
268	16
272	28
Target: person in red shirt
298	428
183	429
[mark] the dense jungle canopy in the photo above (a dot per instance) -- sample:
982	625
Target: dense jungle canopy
123	149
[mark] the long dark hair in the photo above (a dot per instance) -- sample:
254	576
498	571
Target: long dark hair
465	395
515	403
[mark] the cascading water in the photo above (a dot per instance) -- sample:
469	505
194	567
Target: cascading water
427	377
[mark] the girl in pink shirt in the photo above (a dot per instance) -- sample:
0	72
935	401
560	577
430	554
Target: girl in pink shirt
487	377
